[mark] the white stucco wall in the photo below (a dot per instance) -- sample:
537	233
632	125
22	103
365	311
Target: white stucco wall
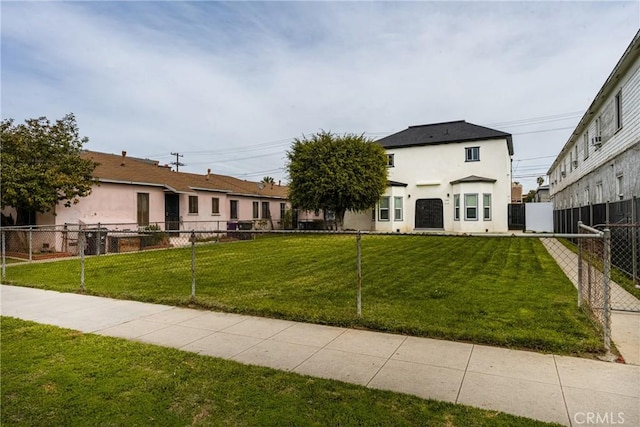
428	172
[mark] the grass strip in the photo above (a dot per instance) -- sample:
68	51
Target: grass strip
53	376
498	291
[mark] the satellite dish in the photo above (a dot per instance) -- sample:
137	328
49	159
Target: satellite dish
260	185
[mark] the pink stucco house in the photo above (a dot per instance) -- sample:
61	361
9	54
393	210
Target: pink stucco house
141	192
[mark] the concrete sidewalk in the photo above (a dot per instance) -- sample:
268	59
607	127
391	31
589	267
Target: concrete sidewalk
561	389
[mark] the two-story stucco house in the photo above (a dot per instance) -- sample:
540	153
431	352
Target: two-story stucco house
600	163
132	191
452	176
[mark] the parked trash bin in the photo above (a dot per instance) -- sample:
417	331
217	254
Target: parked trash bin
96	241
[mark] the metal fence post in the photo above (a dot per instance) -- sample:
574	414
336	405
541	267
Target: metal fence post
98	241
579	266
4	260
81	245
634	243
607	274
359	270
30	243
193	265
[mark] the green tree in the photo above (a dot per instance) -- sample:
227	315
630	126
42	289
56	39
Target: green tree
41	165
540	180
268	180
336	173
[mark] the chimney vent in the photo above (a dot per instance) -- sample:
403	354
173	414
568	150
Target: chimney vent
124	155
208	173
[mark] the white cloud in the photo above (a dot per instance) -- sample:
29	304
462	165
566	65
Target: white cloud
193	77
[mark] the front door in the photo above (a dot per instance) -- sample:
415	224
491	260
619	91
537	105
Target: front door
171	212
429	213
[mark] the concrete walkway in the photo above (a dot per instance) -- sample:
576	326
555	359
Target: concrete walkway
625	325
561	389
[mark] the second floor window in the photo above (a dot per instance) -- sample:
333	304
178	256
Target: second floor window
472	154
193	204
390	160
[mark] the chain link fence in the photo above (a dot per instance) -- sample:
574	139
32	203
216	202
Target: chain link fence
399	282
622	218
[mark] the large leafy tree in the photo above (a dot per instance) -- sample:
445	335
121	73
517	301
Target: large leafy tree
336	173
41	165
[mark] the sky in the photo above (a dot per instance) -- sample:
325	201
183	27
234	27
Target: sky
229	85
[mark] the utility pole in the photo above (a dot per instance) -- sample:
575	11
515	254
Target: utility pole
177	162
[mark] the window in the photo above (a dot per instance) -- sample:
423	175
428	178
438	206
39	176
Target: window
397	208
215	206
470	207
256	210
472	154
571	161
390	160
193	204
266	214
586	196
618	110
283	210
585	143
598	138
599	192
233	208
486	206
456	207
143	209
575	156
383	211
619	187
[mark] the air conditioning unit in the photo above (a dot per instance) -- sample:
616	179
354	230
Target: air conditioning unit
596	141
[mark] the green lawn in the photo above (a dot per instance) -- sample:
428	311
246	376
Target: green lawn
500	291
55	377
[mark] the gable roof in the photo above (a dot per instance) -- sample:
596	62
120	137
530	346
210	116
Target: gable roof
120	169
473	178
443	133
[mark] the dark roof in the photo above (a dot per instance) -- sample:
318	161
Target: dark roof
473	178
396	184
443	133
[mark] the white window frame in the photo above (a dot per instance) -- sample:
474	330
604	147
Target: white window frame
397	208
472	154
456	207
382	210
390	160
618	110
585	143
468	206
255	209
486	206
